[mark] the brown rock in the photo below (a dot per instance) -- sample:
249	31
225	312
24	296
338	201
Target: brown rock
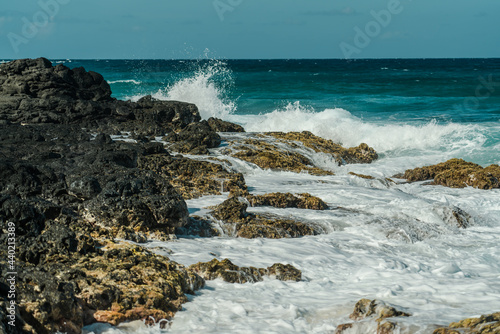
370	316
236	220
193	178
457	173
231	273
288	200
486	324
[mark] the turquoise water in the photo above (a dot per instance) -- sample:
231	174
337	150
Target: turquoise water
441	89
437	108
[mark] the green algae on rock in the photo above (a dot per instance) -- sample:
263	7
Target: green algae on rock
194	178
371	316
288	200
486	324
457	173
237	221
231	273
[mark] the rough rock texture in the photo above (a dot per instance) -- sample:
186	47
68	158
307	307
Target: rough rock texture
223	126
360	154
194	178
287	200
269	156
237	221
34	91
231	273
486	324
457	173
370	317
196	138
117	283
294	152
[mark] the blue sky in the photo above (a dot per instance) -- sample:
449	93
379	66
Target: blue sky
165	29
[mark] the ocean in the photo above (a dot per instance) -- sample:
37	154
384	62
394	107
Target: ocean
393	242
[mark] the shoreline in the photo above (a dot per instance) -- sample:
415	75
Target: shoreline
73	191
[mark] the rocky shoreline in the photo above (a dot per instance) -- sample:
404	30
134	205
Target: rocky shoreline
81	171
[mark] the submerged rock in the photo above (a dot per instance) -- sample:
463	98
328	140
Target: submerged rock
231	273
457	173
486	324
237	221
288	200
292	151
360	154
370	317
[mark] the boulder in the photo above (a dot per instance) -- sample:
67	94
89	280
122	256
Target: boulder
237	221
219	125
371	316
288	200
231	273
457	173
486	324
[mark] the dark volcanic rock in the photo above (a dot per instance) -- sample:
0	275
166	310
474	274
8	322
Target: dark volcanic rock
223	126
33	91
196	138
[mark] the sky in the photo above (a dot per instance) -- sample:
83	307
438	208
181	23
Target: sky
249	29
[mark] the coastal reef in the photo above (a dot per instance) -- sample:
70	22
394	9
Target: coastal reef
80	171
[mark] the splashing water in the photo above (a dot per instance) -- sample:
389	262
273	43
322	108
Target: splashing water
207	87
342	127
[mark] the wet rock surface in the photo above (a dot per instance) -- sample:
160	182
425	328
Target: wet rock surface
194	178
457	173
371	316
486	324
231	273
288	200
238	222
293	151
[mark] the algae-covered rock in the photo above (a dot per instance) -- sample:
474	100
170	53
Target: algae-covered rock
371	316
486	324
129	282
295	151
237	221
269	156
288	200
231	273
360	154
194	178
457	173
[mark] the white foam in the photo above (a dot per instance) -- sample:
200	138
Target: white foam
135	82
206	87
343	127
